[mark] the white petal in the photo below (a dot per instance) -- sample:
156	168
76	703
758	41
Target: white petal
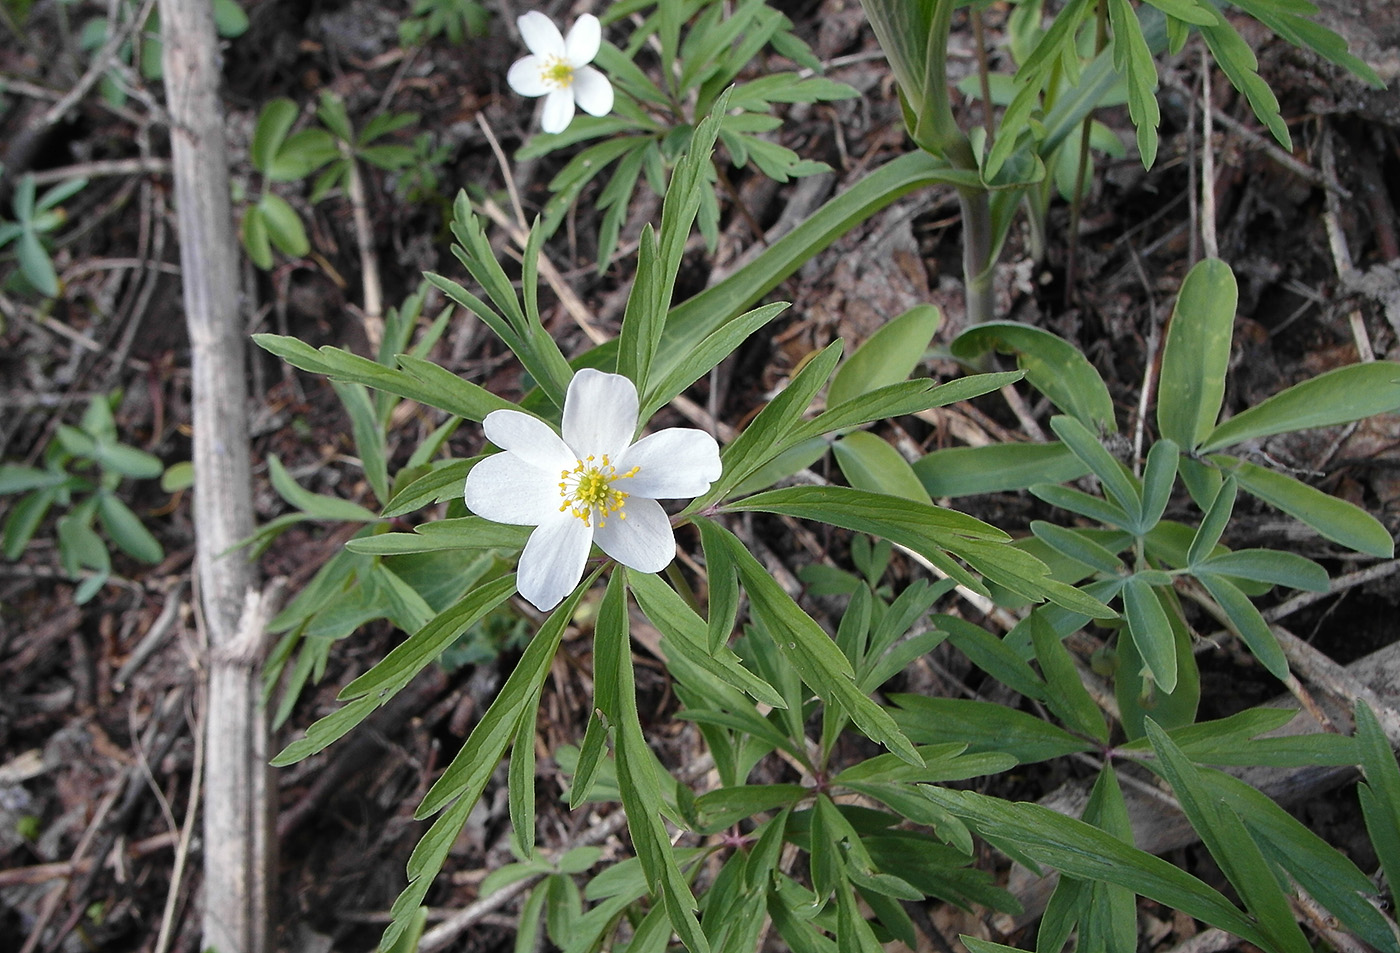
552	562
592	91
526	77
584	38
675	464
505	489
529	438
558	111
541	35
644	541
600	413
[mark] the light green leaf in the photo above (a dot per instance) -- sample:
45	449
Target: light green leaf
1151	632
1196	355
1052	365
127	531
1271	566
1246	621
1337	520
870	463
315	505
1225	836
1116	481
996	468
274	122
1338	396
887	356
284	227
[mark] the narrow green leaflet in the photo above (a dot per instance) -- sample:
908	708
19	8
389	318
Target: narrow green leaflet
1139	696
1338	396
1239	63
983	726
1337	520
813	654
369	439
1380	794
468	400
1082	850
1270	566
1116	481
1246	621
1151	632
1133	60
446	481
315	505
1213	526
1196	355
1225	836
706	355
375	687
1067	697
464	533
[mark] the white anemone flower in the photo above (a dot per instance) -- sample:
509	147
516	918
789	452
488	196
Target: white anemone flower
593	485
557	69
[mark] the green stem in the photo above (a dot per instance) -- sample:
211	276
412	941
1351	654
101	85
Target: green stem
979	267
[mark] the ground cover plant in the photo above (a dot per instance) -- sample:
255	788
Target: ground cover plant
940	579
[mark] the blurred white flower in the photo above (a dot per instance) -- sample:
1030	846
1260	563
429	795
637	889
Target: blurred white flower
592	486
557	69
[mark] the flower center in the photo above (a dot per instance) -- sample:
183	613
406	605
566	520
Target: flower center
587	490
556	72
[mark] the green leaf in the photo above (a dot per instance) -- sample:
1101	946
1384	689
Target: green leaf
1225	836
870	463
1067	696
1380	794
315	505
1337	520
983	726
887	356
128	461
1216	519
37	266
462	398
996	468
253	233
284	228
1133	60
1139	695
812	653
1081	850
445	481
127	531
301	154
706	355
375	687
1239	64
463	534
274	122
1052	365
1246	621
1338	396
1196	355
1271	566
723	579
24	518
1151	633
1116	481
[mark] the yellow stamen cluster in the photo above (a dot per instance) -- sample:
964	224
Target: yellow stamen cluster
588	491
556	71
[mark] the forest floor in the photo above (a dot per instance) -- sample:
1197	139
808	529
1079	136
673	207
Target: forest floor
99	703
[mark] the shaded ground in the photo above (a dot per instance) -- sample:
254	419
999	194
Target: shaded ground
99	704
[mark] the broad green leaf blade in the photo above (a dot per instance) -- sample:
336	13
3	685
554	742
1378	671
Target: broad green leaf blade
996	468
1338	396
870	463
274	122
1196	355
1067	696
706	355
127	531
1052	365
284	228
1271	566
1139	696
983	726
1337	520
1225	836
887	356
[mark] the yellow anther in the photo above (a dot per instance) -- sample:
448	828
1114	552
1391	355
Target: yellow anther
588	492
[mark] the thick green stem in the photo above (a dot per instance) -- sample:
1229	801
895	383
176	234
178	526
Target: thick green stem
979	266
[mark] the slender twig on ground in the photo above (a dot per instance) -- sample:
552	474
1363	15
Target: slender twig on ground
1209	242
